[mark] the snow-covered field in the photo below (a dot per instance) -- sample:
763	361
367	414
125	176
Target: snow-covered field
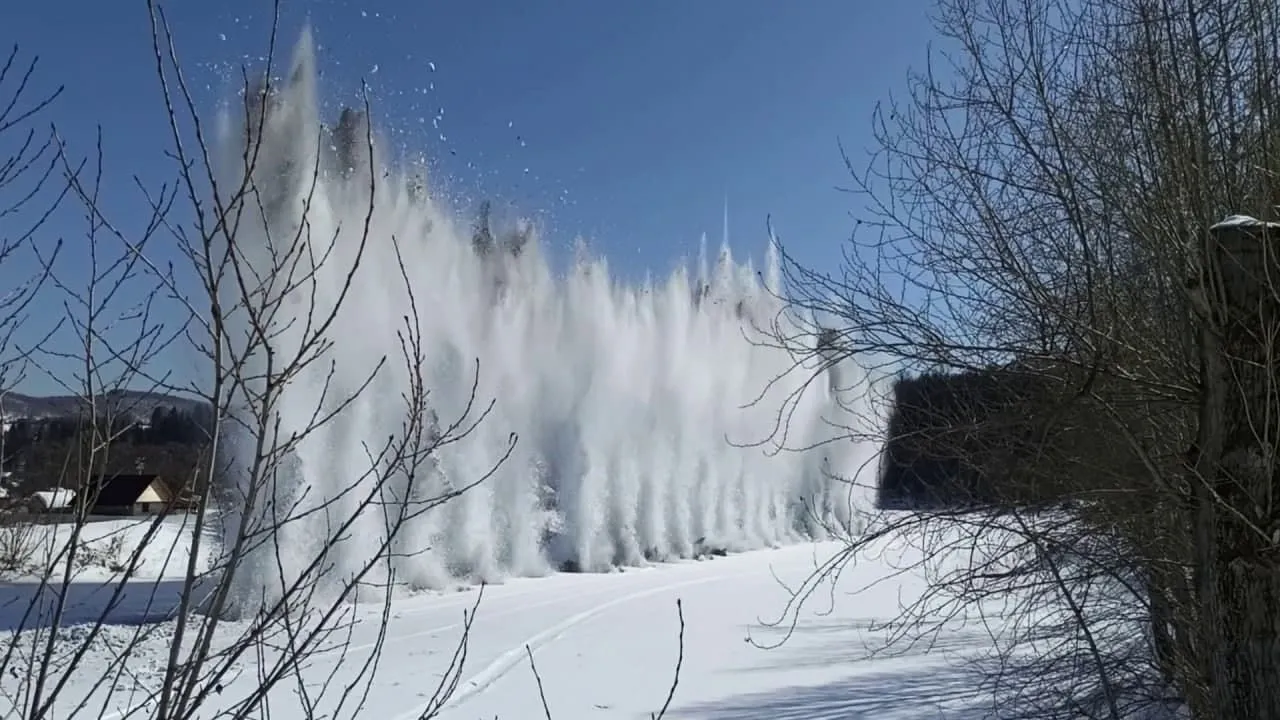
605	645
107	547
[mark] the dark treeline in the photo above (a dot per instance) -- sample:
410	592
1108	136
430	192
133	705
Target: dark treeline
949	433
49	452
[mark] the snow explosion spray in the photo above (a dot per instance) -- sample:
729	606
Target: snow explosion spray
638	409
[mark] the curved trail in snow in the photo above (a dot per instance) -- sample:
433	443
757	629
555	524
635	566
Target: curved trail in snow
484	613
496	669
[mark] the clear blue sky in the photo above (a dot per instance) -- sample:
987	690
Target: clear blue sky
624	121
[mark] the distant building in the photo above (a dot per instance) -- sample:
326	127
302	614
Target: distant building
57	500
138	494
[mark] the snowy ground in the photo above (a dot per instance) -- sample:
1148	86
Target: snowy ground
605	645
107	547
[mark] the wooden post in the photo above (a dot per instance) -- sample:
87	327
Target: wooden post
1238	522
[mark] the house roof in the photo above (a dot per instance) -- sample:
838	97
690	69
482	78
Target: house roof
122	490
58	498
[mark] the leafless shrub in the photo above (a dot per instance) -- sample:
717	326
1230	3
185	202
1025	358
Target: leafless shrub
1042	206
18	548
114	331
30	193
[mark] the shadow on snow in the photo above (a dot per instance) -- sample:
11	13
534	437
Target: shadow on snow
139	601
914	692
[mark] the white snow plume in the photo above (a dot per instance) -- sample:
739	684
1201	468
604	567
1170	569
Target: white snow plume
635	406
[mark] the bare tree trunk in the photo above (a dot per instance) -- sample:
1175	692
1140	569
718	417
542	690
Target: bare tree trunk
1237	518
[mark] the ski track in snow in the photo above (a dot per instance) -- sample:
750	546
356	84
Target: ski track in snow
346	653
495	670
